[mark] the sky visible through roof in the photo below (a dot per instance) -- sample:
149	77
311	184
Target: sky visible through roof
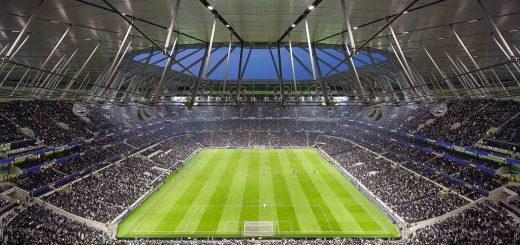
262	63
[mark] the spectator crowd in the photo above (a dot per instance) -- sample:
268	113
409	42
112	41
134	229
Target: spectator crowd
415	185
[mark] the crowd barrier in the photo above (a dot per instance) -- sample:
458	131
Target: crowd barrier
466	150
447	177
67	179
41	153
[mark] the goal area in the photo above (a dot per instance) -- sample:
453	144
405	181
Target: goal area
258	228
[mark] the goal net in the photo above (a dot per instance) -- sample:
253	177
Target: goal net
258	228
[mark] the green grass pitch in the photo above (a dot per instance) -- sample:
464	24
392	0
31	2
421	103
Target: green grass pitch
298	190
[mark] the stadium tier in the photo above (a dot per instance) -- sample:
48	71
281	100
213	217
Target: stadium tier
335	176
259	122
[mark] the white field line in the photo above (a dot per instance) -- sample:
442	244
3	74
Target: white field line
379	232
326	218
191	216
197	207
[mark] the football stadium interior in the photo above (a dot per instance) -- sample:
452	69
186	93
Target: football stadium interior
259	122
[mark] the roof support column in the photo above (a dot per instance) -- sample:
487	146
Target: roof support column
352	44
111	83
76	94
313	69
515	65
79	71
500	82
6	61
465	81
465	69
204	74
353	68
40	74
97	83
110	71
406	79
516	49
462	81
45	81
4	48
319	75
292	63
135	83
60	72
280	70
387	87
479	73
167	67
60	78
8	74
195	87
158	90
172	25
406	66
11	51
208	57
497	31
21	81
228	57
443	75
434	81
239	78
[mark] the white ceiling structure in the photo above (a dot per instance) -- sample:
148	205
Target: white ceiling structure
427	22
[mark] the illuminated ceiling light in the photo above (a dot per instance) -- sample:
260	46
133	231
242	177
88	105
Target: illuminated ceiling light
406	32
355	28
513	30
227	25
210	7
293	25
440	38
406	12
311	7
469	21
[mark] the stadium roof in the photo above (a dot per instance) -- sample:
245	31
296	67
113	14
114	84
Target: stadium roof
423	22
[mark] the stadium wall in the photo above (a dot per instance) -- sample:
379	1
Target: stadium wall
443	217
88	222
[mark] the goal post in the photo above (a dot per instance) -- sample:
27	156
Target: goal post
258	228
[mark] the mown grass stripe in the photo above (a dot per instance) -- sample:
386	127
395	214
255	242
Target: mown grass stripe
203	176
231	212
337	198
190	222
282	196
155	205
267	213
306	215
361	205
326	219
251	192
210	219
180	208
